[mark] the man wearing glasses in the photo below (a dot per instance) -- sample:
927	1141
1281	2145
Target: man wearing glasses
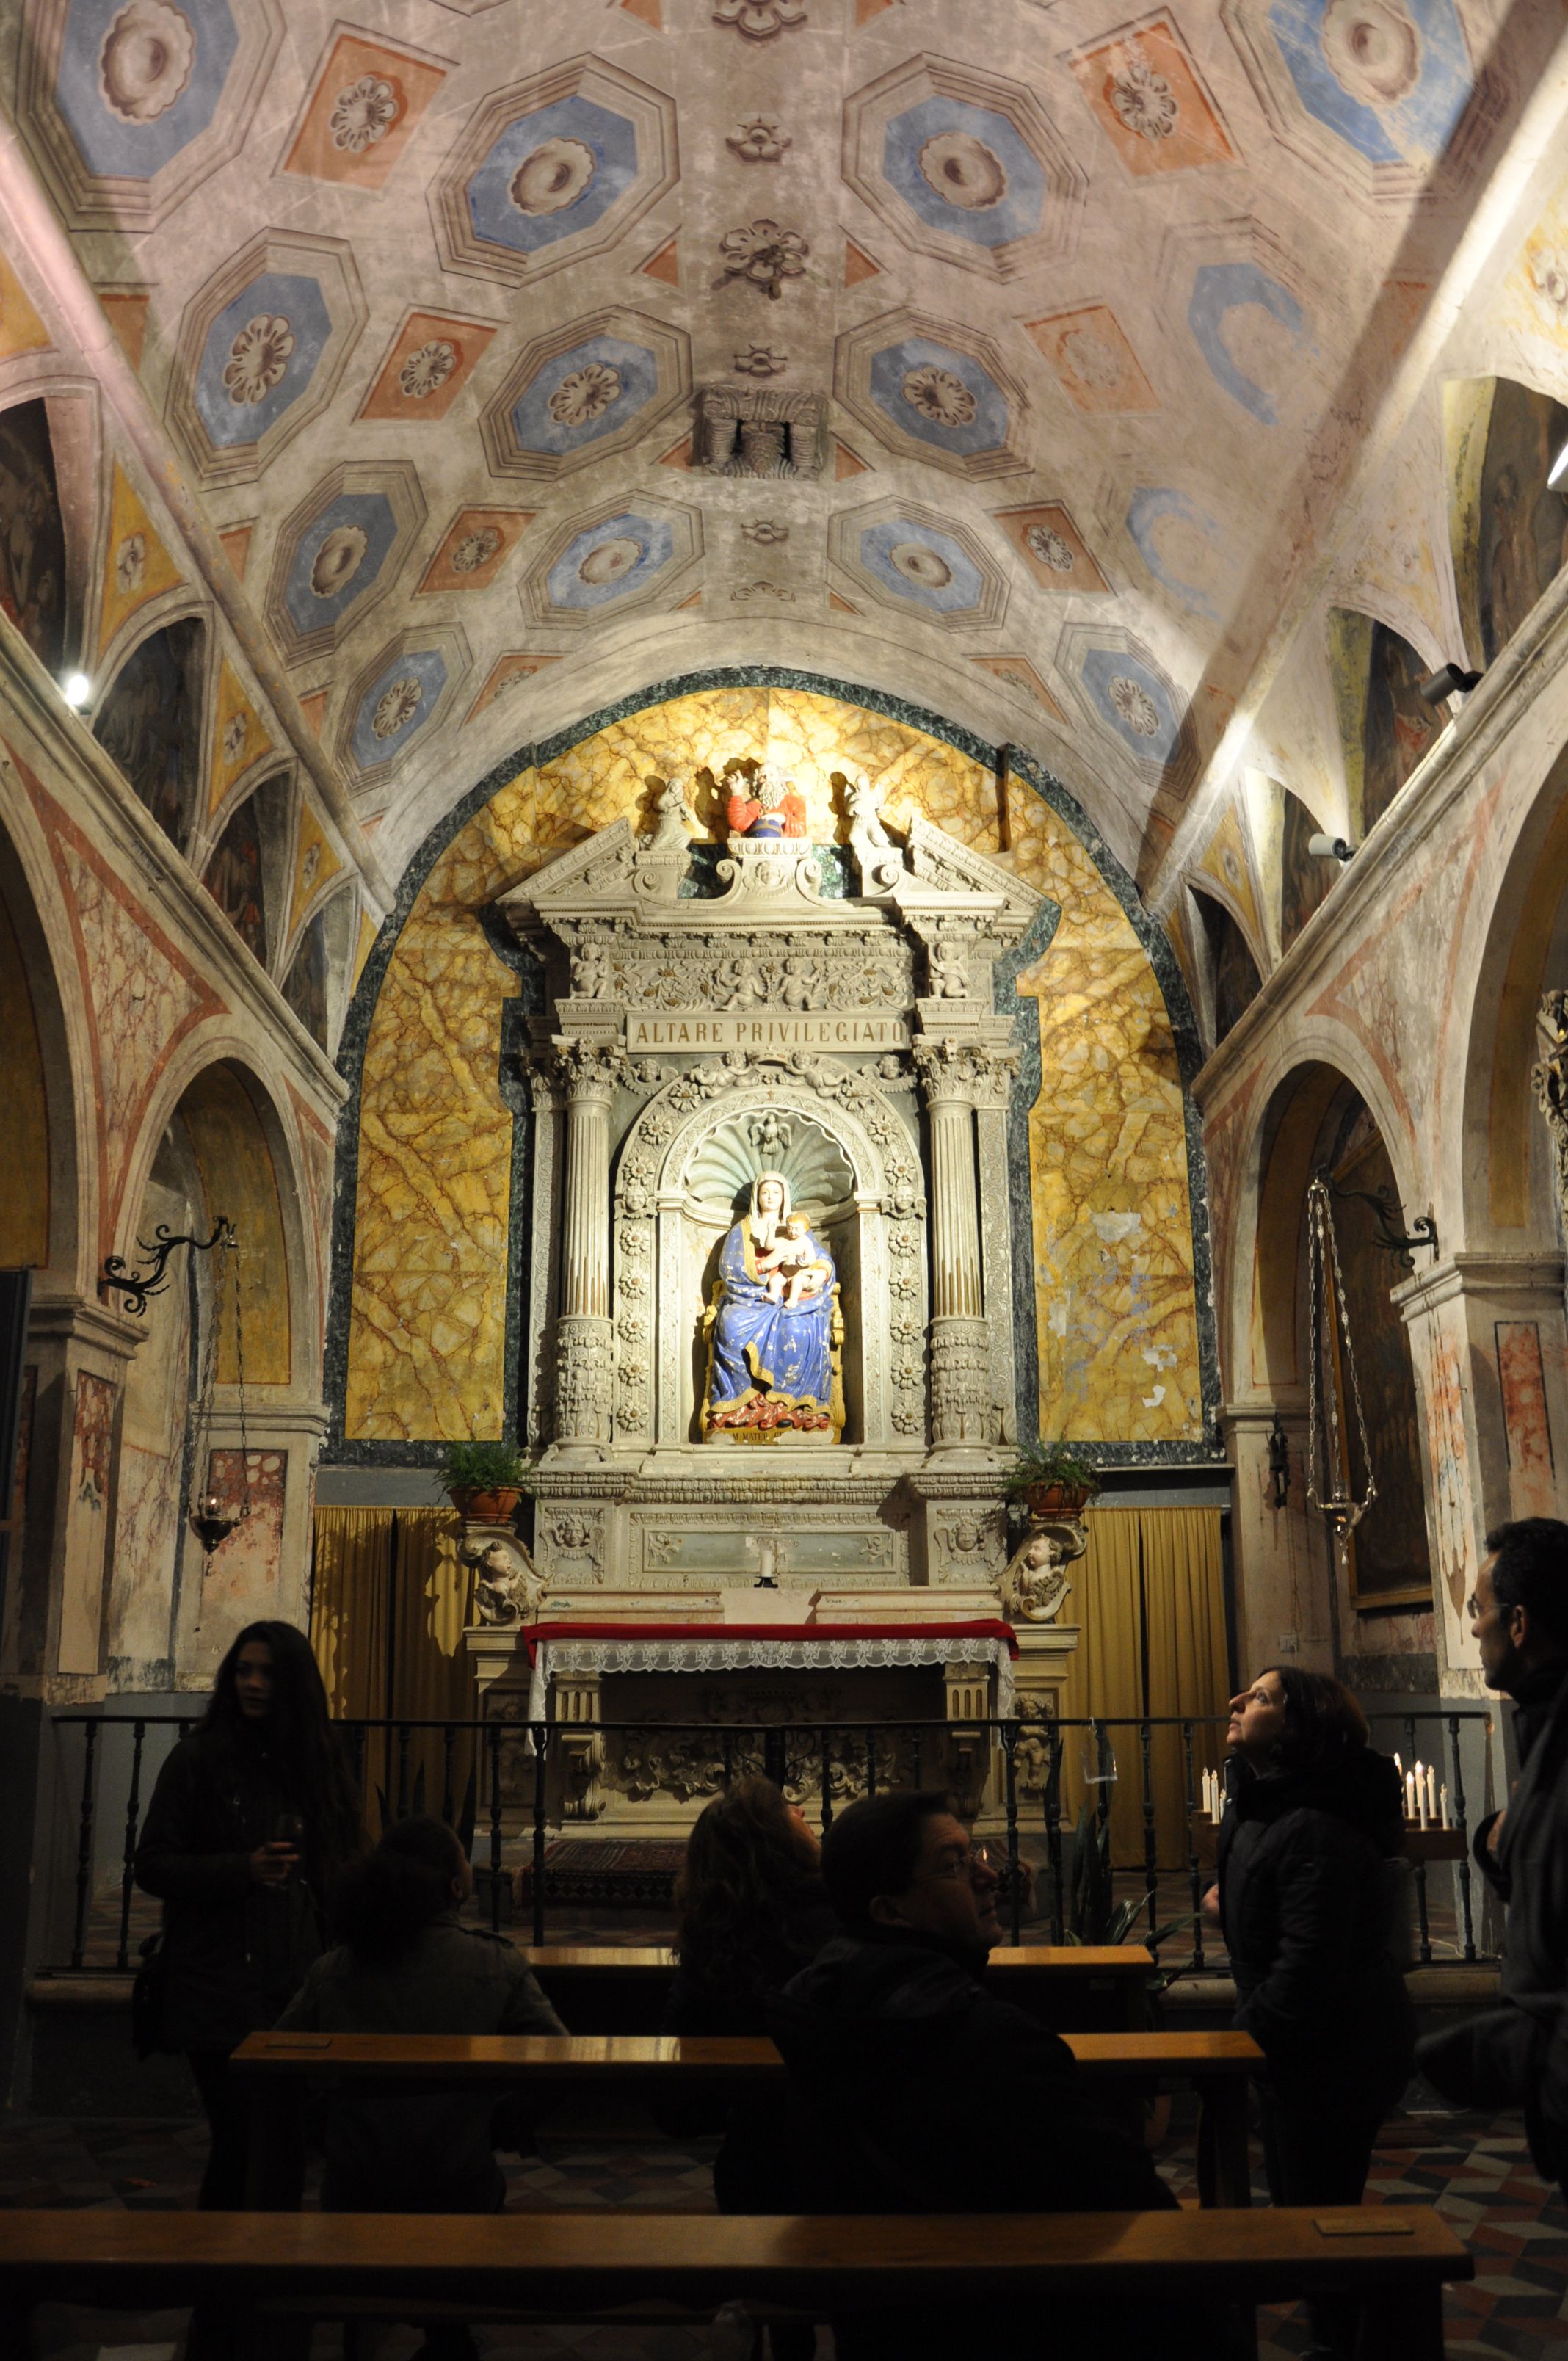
1518	2055
917	2089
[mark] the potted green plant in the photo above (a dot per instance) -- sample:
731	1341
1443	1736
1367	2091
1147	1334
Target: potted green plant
1053	1479
485	1480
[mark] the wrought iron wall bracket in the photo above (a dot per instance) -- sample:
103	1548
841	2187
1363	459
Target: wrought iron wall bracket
1422	1230
136	1286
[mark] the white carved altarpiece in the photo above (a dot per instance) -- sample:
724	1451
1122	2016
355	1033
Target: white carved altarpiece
692	1041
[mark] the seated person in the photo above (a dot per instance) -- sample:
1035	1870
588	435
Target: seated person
794	1271
918	2090
404	1964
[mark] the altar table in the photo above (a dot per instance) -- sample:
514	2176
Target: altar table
583	1648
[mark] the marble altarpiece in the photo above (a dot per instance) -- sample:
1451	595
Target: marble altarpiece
771	1318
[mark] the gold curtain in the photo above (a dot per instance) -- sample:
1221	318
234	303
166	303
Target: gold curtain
1149	1600
389	1602
1188	1657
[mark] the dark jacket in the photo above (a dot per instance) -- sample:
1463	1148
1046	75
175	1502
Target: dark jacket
920	2092
404	2149
915	2089
234	1951
1518	2055
735	2006
1309	1900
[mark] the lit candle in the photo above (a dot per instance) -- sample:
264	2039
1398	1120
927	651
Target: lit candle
1410	1795
1432	1792
1421	1796
1442	1798
1219	1803
1399	1766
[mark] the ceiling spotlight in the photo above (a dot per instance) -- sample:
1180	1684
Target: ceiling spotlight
1559	467
1446	681
76	689
1329	848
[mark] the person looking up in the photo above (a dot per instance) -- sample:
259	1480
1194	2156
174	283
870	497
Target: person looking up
404	1963
1517	2055
918	2090
251	1817
1310	1919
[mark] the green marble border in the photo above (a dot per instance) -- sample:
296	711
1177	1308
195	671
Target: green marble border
338	1451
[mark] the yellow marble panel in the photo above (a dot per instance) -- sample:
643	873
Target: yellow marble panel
1113	1236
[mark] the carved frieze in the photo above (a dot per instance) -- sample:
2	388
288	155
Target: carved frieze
760	431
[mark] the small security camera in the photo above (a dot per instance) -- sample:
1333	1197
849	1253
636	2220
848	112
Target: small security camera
1447	681
1329	848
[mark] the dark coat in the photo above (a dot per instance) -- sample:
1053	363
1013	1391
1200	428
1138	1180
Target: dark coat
406	2148
1309	1902
1518	2055
921	2092
915	2089
739	2006
234	1951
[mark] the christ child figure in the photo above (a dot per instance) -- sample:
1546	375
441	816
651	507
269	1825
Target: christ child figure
794	1272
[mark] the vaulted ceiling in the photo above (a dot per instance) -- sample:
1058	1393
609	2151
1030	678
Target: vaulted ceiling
1104	314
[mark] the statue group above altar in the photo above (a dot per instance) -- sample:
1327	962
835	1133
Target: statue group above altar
774	1325
772	808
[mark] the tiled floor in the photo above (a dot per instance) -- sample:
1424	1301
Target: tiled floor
1476	2171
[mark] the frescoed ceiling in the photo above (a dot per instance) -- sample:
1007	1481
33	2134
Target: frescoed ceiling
1103	312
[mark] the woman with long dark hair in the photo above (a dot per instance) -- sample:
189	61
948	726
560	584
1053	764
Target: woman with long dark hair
404	1963
251	1817
1311	1905
749	1910
749	1914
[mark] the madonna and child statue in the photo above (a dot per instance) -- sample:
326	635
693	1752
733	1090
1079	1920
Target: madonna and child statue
774	1328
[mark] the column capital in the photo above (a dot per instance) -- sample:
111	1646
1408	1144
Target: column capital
588	1071
1524	1278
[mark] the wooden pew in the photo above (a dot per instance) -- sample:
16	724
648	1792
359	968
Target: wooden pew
280	2067
577	2267
605	1988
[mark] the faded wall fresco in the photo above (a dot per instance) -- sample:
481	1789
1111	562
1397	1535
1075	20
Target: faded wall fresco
242	1581
233	878
1399	728
151	724
25	1200
87	1533
304	986
32	538
1523	525
1234	971
1113	1240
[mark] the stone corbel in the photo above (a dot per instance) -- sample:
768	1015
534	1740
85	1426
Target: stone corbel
578	1699
506	1584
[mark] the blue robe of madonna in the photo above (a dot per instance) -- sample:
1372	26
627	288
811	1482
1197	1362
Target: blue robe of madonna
790	1353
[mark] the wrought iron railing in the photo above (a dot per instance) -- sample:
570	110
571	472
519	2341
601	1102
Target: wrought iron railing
846	1757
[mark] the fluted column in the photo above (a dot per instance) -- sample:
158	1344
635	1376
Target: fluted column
961	1374
588	1077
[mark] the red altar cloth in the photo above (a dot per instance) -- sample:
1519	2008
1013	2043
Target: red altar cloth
537	1635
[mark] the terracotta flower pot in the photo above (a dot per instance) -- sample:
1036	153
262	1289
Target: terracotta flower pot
1057	1500
485	1506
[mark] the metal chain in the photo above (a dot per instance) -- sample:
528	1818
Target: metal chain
233	1249
1324	1271
206	1395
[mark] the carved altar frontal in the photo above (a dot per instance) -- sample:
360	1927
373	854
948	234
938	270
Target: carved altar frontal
771	1296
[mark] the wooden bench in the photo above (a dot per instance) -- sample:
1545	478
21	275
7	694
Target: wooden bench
281	2066
603	1988
578	2266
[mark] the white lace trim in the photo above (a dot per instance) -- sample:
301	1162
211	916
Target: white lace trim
836	1654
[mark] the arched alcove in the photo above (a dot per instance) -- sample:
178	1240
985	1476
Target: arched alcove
1317	1121
244	872
216	1155
33	591
40	1219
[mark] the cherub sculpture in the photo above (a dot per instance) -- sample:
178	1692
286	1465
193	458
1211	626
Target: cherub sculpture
876	853
675	823
1035	1587
506	1581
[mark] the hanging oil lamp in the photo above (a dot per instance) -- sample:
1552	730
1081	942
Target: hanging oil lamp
210	1517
